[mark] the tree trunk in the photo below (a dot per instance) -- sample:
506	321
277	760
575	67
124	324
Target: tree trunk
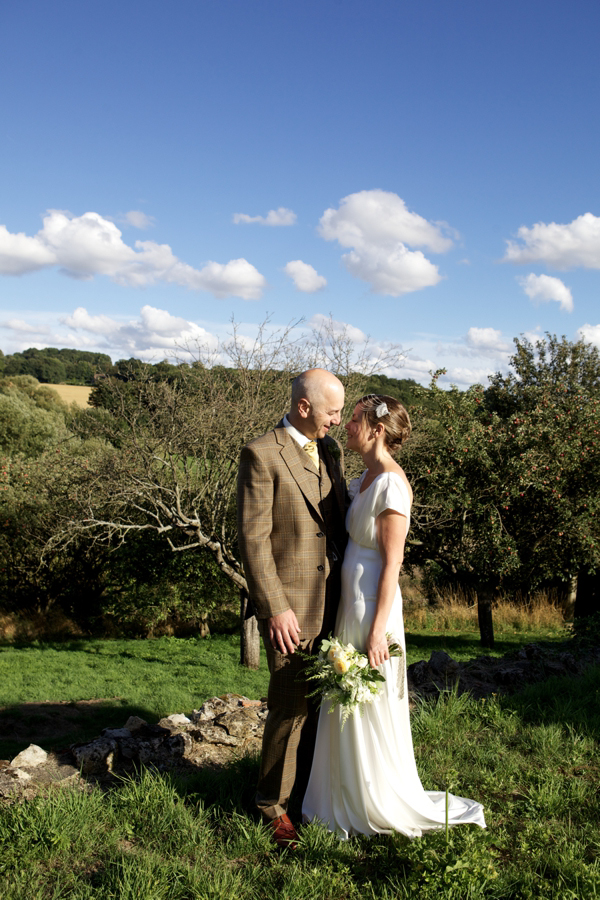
570	596
250	638
485	597
588	595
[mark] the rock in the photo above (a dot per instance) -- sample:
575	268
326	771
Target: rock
98	757
116	733
215	735
30	758
176	719
418	673
242	723
134	723
442	664
209	709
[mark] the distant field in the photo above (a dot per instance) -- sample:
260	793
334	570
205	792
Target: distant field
72	393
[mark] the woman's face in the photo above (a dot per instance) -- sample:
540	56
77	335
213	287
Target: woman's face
357	430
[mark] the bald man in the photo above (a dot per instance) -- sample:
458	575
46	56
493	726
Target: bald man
291	512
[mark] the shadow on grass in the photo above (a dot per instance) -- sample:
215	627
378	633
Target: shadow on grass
463	646
230	788
570	702
58	725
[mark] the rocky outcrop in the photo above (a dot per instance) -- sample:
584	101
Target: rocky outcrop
223	729
487	675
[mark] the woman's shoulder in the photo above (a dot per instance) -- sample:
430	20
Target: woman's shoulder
395	479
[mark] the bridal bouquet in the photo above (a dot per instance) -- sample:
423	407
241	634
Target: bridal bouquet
344	676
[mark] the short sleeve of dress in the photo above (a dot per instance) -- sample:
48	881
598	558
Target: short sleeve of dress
354	487
393	494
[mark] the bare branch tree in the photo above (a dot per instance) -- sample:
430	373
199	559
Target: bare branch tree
173	442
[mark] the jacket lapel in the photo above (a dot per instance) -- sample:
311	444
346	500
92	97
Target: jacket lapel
304	474
334	469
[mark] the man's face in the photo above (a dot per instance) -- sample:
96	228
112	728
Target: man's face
325	412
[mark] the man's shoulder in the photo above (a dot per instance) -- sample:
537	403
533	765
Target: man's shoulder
272	439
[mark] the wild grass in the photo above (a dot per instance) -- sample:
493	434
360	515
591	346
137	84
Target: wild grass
533	761
455	613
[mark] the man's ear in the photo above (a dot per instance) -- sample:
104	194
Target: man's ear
304	408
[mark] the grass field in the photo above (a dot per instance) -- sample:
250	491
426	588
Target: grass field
533	760
153	678
72	393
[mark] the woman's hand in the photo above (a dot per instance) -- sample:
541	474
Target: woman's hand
377	649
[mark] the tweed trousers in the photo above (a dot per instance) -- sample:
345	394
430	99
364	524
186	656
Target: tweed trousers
291	727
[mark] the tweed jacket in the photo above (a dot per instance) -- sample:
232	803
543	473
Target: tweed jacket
281	530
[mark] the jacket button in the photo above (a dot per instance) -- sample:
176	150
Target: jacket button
320	568
320	534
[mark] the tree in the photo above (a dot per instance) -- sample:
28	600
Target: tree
176	440
38	454
507	482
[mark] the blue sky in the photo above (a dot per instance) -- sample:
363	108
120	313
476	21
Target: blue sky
426	173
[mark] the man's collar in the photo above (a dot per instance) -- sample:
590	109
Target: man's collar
293	432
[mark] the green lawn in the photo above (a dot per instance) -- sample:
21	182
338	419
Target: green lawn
152	678
533	760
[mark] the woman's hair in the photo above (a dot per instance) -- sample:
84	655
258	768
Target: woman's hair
395	421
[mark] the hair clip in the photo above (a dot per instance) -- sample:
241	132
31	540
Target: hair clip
382	410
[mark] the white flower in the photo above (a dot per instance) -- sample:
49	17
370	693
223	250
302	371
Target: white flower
340	665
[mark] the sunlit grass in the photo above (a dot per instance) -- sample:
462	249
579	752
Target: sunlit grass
153	678
532	760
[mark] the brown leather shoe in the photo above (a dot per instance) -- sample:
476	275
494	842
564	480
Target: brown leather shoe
284	833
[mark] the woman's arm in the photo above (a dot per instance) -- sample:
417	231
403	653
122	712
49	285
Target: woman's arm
391	534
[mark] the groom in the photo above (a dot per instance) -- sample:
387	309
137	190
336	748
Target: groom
291	510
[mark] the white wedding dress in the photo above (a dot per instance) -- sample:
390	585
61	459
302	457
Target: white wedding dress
364	779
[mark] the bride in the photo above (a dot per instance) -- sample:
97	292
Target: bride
364	779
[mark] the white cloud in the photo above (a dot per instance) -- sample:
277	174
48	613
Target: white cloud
138	219
354	334
237	278
156	333
305	277
545	288
88	245
81	318
275	217
465	377
20	326
560	246
377	226
486	340
20	254
590	334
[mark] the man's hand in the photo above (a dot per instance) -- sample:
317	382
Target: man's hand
284	631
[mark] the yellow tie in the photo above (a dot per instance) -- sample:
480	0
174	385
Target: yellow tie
311	449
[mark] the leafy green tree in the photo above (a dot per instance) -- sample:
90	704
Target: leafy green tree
507	482
406	390
56	366
31	418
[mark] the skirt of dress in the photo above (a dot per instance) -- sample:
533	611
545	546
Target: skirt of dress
364	779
